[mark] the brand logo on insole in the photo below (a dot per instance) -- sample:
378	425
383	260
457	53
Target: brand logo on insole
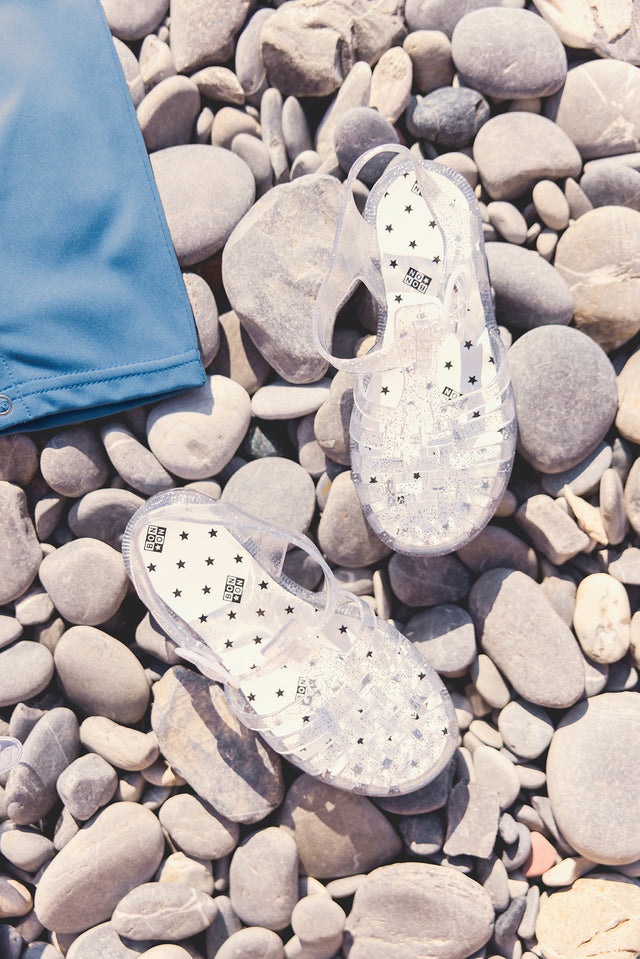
415	188
450	394
417	280
233	589
301	688
156	536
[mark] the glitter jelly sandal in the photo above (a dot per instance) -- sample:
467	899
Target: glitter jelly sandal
337	691
433	426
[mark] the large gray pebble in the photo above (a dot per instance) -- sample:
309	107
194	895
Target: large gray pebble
86	581
508	54
19	459
73	462
603	277
401	905
591	745
444	15
31	787
120	848
203	32
612	184
450	117
357	131
354	92
282	401
168	112
136	464
100	675
205	192
495	546
525	728
428	580
87	783
263	878
601	618
511	614
20	554
26	848
599	108
343	532
134	19
272	267
196	827
430	52
103	942
432	796
26	669
126	748
196	433
277	490
309	48
559	422
584	478
515	150
253	942
472	820
445	637
337	833
197	733
529	291
628	418
103	514
163	910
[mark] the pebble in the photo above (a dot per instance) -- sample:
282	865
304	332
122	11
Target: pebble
515	150
612	184
526	728
508	221
34	607
598	108
508	53
205	314
196	827
343	532
125	748
601	618
132	21
136	464
445	637
449	914
472	820
295	128
529	292
632	496
86	581
358	130
551	204
278	490
490	684
204	33
626	568
584	478
196	433
579	202
511	613
428	580
196	731
86	784
495	546
263	879
494	878
311	456
281	400
565	872
550	529
19	459
423	835
546	243
249	66
316	918
15	899
256	156
167	113
272	135
497	774
219	84
331	424
601	909
252	943
628	416
10	630
26	668
178	868
590	745
450	117
559	423
156	62
576	26
541	858
506	926
443	16
166	950
238	358
514	855
131	70
228	123
73	462
336	833
157	910
51	745
287	236
26	848
391	84
21	553
432	796
103	514
354	92
601	276
194	179
103	941
430	52
121	848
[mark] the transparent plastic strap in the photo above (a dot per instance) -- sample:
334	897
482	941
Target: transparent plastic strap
10	752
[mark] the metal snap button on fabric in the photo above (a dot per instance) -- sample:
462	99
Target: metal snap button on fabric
5	405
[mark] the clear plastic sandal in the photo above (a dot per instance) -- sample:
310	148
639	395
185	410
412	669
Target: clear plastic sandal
433	427
337	691
10	752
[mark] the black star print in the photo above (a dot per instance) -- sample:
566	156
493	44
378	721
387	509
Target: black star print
210	561
263	584
238	558
393	264
436	259
360	741
279	693
180	564
257	640
448	365
384	390
491	360
501	429
432	224
416	475
415	716
231	614
388	228
398	298
412	244
213	532
370	654
184	535
421	675
203	618
386	194
288	610
229	643
413	763
151	567
206	589
260	612
305	719
253	666
467	344
444	730
485	484
404	176
408	209
472	380
342	629
373	479
177	592
476	414
251	697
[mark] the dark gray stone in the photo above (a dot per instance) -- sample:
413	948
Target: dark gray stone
278	490
443	15
11	942
559	422
428	580
505	933
445	637
529	291
20	555
423	834
495	546
472	821
426	799
357	131
450	117
516	853
495	881
612	184
103	514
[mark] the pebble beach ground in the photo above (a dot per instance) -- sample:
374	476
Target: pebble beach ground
144	820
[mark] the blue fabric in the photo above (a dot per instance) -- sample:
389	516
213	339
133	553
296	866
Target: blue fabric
94	314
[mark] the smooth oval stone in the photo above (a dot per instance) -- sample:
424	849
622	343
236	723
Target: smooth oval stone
590	745
448	913
336	833
136	464
189	872
18	459
125	748
495	546
430	52
632	495
331	423
220	84
511	613
525	728
205	192
357	131
86	581
628	418
197	732
611	184
601	618
228	123
489	683
278	490
120	848
508	53
317	917
156	61
26	669
282	401
21	554
103	942
450	117
603	277
87	783
197	828
428	580
263	878
131	70
168	112
443	15
514	150
134	20
559	423
252	943
204	33
115	685
551	204
391	84
103	514
205	314
15	899
599	108
295	128
584	478
272	268
73	462
600	908
196	433
445	637
343	532
508	221
612	510
26	848
256	155
160	910
52	744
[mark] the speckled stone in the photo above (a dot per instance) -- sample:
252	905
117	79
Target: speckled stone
529	291
18	459
86	581
428	580
343	532
445	637
204	33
